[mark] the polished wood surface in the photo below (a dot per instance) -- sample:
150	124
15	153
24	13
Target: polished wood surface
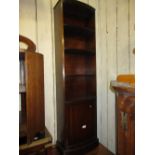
34	94
125	110
59	66
38	147
31	47
125	125
99	150
75	76
31	91
82	120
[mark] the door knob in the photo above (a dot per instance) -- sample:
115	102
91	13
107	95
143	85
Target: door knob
84	126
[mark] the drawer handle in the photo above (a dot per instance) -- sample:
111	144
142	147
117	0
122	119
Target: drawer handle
84	126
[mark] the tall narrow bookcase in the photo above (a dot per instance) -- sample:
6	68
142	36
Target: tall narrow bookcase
31	93
75	76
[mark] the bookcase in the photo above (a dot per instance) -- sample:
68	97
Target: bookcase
75	57
31	93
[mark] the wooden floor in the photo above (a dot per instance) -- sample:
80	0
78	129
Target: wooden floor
99	150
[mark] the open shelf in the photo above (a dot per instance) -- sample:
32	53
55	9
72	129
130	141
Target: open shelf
77	10
79	43
82	99
80	75
79	64
72	30
79	51
80	87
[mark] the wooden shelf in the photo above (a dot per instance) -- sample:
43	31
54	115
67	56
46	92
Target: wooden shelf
79	64
79	51
72	30
80	86
80	75
74	9
37	146
82	99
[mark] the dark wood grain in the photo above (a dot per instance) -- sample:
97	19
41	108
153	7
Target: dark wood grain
32	119
75	77
80	86
82	122
80	64
99	150
39	147
34	94
125	110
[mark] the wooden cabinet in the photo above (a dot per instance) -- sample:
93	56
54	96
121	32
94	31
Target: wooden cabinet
81	123
40	147
31	92
75	55
125	110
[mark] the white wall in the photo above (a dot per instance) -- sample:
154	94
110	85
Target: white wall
114	45
36	23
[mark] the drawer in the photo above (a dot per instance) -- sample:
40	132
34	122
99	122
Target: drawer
81	122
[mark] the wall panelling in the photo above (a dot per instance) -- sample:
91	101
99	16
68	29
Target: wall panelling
114	45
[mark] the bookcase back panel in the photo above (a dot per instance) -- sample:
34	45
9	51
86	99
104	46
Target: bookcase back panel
75	22
79	64
71	20
80	87
79	43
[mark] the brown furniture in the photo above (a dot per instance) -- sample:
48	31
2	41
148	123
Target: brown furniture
39	147
125	111
75	76
99	150
31	93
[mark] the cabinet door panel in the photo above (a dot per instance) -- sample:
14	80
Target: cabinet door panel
82	122
35	93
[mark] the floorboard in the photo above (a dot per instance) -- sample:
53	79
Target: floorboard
99	150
